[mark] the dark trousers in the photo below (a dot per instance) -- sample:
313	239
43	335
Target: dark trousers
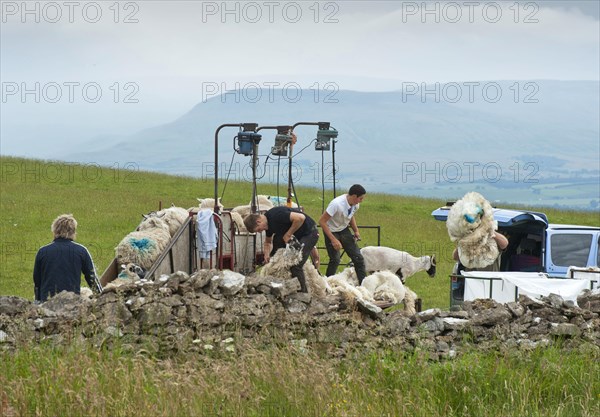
346	238
309	242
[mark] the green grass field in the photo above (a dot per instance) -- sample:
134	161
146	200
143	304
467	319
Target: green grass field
83	380
108	204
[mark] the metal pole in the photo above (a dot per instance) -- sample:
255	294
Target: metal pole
333	162
246	127
216	208
253	207
283	129
289	196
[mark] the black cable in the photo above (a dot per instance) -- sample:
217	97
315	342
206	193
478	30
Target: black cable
265	168
278	173
301	150
290	179
228	173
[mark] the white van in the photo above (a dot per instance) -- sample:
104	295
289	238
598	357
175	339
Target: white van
535	245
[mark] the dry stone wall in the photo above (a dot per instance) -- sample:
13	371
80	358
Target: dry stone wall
209	311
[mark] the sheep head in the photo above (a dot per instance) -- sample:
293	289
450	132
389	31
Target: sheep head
154	222
209	203
132	272
432	267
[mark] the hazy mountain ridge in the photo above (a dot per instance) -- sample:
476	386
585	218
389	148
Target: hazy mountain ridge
395	141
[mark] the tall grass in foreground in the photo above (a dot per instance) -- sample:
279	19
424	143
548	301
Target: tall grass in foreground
80	381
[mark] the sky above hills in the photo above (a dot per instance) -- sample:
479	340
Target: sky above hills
73	71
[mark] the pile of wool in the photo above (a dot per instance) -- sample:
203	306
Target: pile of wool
472	226
279	266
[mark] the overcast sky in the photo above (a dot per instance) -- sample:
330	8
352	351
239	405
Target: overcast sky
157	59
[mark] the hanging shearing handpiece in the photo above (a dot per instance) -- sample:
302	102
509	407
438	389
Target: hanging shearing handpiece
248	145
284	144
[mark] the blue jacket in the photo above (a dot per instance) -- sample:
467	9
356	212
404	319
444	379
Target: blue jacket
58	267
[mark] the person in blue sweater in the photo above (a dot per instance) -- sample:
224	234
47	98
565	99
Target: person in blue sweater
59	265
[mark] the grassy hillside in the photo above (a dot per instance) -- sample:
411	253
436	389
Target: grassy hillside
108	204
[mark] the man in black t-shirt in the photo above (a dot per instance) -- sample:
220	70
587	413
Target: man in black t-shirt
283	222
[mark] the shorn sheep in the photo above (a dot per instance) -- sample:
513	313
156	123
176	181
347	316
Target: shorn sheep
382	286
471	225
346	284
403	264
387	287
142	247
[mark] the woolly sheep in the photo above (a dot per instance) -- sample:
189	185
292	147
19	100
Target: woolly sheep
403	264
174	217
279	266
243	211
209	203
239	222
472	226
142	247
263	202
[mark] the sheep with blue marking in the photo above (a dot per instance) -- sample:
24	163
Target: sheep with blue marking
472	226
130	273
142	247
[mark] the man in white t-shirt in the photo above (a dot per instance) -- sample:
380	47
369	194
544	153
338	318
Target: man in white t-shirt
336	222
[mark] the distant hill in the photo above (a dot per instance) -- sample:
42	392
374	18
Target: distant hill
507	139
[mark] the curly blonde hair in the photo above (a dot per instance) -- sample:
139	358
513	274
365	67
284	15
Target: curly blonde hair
64	226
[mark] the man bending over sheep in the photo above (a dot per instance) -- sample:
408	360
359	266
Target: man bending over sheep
283	222
59	265
336	222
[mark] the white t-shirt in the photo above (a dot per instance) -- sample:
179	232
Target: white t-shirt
341	213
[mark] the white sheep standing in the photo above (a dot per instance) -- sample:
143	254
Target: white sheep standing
403	264
472	226
279	266
142	247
